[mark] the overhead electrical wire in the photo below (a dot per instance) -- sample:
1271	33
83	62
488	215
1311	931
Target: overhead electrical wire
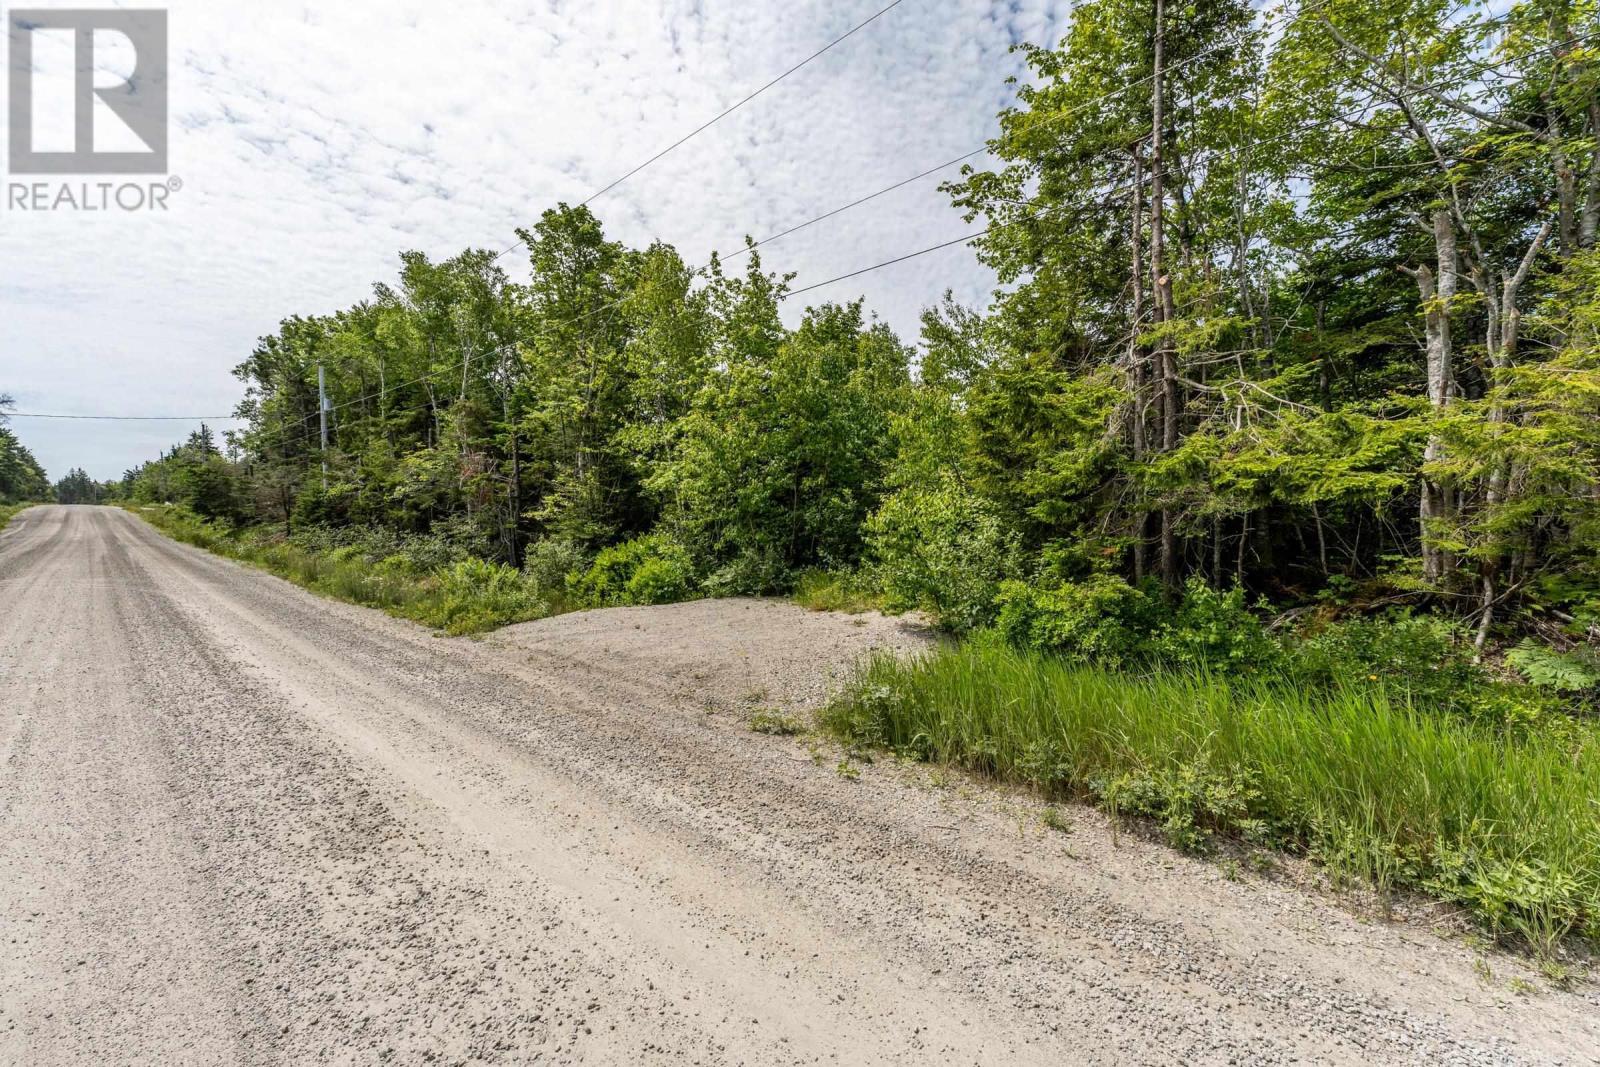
4	414
725	112
464	362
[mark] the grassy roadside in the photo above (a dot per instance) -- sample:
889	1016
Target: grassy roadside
1504	823
11	511
464	597
819	590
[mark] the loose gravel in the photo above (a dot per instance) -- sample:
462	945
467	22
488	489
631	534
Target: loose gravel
243	824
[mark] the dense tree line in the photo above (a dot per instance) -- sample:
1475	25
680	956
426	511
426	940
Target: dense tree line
1306	306
78	488
21	477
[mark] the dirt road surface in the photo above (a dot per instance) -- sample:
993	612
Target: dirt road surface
243	824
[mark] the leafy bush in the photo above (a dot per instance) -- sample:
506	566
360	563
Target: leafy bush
1191	801
465	596
1101	619
1104	620
661	580
1422	659
777	724
1215	631
9	512
755	571
945	551
1425	655
477	595
465	536
646	570
550	562
425	552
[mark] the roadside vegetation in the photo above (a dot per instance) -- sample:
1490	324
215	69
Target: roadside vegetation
1363	773
418	578
1266	488
9	512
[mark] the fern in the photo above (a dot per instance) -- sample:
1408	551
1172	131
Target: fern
1546	668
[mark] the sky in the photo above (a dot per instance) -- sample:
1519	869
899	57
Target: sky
314	143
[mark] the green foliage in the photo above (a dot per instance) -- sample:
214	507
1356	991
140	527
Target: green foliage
847	591
21	477
1149	432
476	595
194	476
1355	776
647	570
1428	658
1101	620
1215	631
942	549
1191	801
1546	668
552	561
776	723
462	597
11	511
78	488
782	455
1425	660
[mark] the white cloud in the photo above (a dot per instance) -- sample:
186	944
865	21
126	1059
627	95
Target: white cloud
316	142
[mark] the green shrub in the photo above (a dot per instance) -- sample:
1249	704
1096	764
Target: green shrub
661	579
551	562
1101	619
10	511
1425	655
646	570
757	570
464	596
943	550
1215	631
1425	660
476	595
777	724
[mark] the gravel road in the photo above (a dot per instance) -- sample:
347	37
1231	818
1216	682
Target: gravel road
243	824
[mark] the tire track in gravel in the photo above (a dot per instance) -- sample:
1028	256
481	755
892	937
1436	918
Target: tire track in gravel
536	849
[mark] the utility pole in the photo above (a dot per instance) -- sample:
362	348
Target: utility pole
1165	359
322	406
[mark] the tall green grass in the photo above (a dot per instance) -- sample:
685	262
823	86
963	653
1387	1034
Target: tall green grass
467	597
849	592
1506	824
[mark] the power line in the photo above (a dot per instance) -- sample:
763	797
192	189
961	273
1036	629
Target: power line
1101	98
1076	109
891	262
1254	144
464	362
122	418
984	148
727	111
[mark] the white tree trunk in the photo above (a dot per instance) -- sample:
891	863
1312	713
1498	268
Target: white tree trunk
1437	293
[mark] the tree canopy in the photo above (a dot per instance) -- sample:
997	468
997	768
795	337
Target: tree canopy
1294	302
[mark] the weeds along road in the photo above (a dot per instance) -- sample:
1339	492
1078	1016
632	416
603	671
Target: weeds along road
241	824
